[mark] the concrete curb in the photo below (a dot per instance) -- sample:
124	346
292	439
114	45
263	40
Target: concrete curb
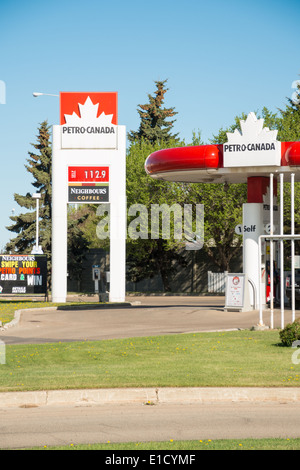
149	396
14	322
17	316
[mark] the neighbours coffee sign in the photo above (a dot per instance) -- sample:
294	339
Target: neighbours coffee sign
23	274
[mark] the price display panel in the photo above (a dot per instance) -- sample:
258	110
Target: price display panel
90	174
89	185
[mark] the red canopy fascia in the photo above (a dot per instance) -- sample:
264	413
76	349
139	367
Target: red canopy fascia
205	163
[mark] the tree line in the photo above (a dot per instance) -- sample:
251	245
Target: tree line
147	257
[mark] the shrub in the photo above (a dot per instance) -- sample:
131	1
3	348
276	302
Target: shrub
290	333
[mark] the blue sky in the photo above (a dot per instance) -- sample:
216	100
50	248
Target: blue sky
221	58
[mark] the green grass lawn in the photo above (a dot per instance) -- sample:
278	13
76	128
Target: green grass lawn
224	444
8	308
229	359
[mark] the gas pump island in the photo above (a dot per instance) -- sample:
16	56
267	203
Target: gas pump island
253	156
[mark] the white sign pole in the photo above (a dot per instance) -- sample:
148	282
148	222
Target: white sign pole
271	253
281	252
59	220
117	190
293	242
252	229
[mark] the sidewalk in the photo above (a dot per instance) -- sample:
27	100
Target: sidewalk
149	396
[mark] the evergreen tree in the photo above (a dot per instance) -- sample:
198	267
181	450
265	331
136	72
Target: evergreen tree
39	165
146	258
77	242
289	129
154	125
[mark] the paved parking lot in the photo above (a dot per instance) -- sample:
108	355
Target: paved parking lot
146	316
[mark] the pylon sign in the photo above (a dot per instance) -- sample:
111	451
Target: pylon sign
89	167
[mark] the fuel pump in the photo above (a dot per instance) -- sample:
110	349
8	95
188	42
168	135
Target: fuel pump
96	277
276	276
263	278
101	280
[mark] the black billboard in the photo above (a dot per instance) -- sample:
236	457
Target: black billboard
23	274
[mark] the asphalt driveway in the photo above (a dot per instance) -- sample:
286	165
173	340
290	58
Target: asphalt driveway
146	316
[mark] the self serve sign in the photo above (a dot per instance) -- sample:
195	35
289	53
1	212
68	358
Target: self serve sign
240	229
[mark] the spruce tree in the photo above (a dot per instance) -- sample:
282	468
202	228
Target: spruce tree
155	125
289	130
39	165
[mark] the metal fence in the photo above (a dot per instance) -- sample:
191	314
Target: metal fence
216	282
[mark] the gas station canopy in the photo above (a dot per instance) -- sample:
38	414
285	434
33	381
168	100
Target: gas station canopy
205	164
253	152
253	156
